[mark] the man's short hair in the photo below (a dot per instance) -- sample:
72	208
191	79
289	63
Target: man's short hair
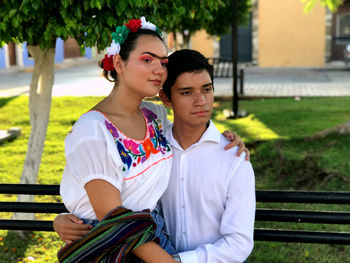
185	60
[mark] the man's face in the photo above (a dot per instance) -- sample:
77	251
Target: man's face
192	98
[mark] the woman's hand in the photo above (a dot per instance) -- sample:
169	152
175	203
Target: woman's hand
70	228
236	141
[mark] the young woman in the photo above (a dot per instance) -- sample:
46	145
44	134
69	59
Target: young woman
118	160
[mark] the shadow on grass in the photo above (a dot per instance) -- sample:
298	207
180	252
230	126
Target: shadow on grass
4	101
297	164
14	247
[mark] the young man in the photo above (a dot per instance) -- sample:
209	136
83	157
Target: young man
209	206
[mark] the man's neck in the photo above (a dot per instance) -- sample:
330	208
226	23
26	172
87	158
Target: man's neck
188	135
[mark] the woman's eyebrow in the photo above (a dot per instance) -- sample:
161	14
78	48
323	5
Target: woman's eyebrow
154	55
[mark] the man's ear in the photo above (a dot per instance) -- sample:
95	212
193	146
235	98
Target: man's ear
117	63
165	99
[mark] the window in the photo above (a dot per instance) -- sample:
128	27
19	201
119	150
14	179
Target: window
343	28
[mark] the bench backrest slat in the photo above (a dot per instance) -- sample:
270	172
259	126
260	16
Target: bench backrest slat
32	207
302	236
30	189
268	215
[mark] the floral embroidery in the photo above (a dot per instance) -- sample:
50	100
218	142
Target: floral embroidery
124	155
131	146
112	129
149	148
133	152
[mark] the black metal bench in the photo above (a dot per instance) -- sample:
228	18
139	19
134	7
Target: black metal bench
264	196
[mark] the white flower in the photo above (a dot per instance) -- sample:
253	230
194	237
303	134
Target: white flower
113	49
147	25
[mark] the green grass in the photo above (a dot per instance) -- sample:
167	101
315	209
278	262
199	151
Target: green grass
275	131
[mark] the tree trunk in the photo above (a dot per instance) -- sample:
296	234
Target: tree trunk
186	40
39	110
339	129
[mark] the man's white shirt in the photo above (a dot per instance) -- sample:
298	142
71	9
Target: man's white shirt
209	206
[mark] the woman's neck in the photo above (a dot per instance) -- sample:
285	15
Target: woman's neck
123	110
121	102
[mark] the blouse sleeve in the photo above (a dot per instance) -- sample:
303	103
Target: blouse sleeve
88	156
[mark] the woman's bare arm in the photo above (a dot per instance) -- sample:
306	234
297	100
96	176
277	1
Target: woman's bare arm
104	197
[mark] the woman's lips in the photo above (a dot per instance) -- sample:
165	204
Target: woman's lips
155	81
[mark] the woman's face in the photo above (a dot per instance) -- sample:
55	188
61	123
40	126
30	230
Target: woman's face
145	71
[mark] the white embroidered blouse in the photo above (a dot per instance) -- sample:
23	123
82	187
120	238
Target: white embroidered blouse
96	149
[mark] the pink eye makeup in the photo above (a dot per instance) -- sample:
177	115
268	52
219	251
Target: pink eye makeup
146	58
164	62
149	57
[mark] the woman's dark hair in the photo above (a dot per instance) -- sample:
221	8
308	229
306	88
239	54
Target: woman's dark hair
182	61
126	48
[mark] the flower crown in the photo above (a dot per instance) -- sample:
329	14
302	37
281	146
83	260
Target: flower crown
121	34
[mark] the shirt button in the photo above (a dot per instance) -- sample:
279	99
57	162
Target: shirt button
183	206
184	233
182	179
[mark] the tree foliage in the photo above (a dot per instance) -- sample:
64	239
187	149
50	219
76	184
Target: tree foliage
331	4
223	17
90	22
214	16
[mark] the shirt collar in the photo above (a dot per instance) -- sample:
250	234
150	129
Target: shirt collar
211	134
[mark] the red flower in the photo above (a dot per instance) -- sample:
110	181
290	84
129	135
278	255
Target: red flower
133	24
107	63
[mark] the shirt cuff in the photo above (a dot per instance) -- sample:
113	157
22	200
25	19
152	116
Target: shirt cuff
188	257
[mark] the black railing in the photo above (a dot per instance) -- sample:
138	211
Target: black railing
223	69
265	196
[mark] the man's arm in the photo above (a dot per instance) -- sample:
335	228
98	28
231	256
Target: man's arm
70	228
237	224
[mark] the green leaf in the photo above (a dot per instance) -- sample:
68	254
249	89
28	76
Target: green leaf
121	6
79	13
12	12
65	3
15	22
24	2
99	7
3	26
25	10
36	4
192	14
309	6
110	20
82	50
58	31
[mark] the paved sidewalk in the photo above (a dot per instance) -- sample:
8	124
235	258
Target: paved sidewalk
83	78
291	82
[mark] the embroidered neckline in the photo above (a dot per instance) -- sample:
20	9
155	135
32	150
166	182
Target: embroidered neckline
119	131
133	152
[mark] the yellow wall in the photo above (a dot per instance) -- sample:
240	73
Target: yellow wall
288	37
203	43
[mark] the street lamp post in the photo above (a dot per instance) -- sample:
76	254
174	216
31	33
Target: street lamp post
234	57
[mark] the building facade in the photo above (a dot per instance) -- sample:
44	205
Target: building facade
12	54
340	31
281	34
